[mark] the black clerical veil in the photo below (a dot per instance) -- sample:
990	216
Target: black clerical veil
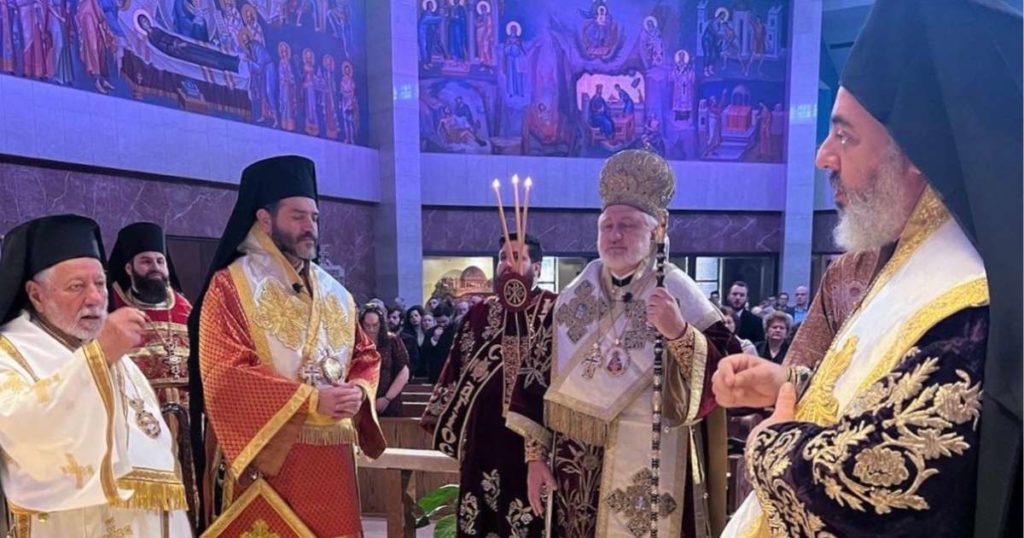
37	245
133	240
944	76
263	183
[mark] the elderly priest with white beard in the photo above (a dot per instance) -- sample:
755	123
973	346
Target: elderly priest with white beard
84	449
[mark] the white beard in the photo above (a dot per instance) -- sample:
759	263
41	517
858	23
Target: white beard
875	217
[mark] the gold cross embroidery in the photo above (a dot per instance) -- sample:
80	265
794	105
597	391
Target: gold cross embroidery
634	506
113	531
260	529
582	310
80	472
42	388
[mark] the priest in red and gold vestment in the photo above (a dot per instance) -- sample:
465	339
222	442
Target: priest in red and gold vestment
285	369
141	275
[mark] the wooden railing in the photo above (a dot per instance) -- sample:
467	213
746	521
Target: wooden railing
389	485
399	467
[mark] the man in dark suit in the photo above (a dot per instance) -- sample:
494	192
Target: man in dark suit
748	326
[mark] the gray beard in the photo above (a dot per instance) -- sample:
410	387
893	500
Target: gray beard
876	217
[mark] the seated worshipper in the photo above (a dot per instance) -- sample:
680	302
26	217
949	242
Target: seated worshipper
730	323
85	450
394	362
776	342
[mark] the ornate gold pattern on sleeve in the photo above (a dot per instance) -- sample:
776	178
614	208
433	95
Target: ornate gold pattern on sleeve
767	458
535	450
682	349
865	465
921	429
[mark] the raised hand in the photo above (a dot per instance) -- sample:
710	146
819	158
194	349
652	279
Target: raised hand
122	332
747	381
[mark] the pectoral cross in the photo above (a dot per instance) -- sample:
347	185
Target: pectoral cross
311	374
592	362
80	472
173	362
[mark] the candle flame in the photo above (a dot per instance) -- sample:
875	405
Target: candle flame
529	182
515	179
496	184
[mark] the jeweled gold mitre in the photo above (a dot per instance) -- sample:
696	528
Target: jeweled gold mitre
639	179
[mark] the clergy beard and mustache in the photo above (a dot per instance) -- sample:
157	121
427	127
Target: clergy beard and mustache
83	325
876	215
150	288
291	244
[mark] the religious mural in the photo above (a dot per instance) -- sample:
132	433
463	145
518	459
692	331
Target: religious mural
689	79
295	65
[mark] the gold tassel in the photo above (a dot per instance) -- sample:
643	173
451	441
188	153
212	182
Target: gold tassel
584	428
150	495
333	434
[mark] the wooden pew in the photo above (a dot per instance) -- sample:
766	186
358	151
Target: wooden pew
405	433
398	468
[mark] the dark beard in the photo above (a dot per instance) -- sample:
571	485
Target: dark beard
287	243
151	288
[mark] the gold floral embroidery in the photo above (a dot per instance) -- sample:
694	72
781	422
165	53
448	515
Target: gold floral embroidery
538	361
492	489
819	404
889	460
466	341
80	473
767	460
581	311
336	324
632	505
281	313
113	531
889	474
469	510
519	518
576	506
495	320
260	529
